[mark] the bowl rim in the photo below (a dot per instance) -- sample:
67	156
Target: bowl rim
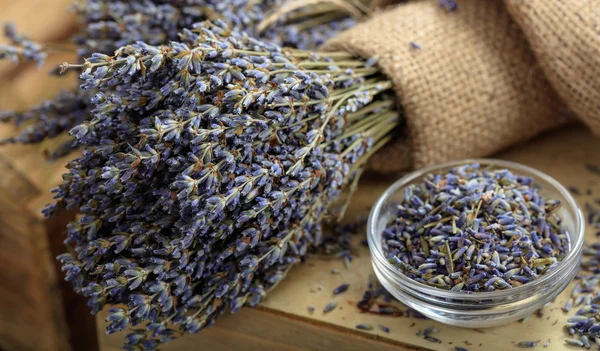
573	254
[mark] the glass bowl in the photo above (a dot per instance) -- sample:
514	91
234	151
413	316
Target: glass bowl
480	309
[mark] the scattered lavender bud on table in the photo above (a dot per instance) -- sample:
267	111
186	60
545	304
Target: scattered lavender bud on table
364	327
593	168
335	271
377	300
574	342
384	328
475	230
330	306
460	348
429	330
574	190
432	339
527	344
415	46
339	243
340	289
576	291
567	307
585	341
593	215
311	309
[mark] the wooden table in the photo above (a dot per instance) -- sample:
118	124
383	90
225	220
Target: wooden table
283	322
38	310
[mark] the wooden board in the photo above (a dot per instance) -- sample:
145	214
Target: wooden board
31	316
38	309
283	322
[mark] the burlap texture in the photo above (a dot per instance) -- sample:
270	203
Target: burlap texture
565	36
472	88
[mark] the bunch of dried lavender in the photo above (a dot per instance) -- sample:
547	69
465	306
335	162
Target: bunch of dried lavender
474	229
208	166
110	24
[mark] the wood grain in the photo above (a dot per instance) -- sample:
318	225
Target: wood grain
38	310
31	315
263	329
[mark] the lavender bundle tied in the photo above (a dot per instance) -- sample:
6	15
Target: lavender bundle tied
107	25
208	167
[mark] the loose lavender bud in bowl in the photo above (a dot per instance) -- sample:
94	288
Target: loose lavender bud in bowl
476	243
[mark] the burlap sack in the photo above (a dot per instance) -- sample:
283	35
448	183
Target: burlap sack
565	36
471	89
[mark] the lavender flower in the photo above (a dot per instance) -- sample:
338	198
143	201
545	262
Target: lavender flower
208	166
22	49
51	119
473	229
110	24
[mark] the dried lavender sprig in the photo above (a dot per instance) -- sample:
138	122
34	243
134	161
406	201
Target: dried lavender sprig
474	229
51	119
109	24
201	182
22	49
